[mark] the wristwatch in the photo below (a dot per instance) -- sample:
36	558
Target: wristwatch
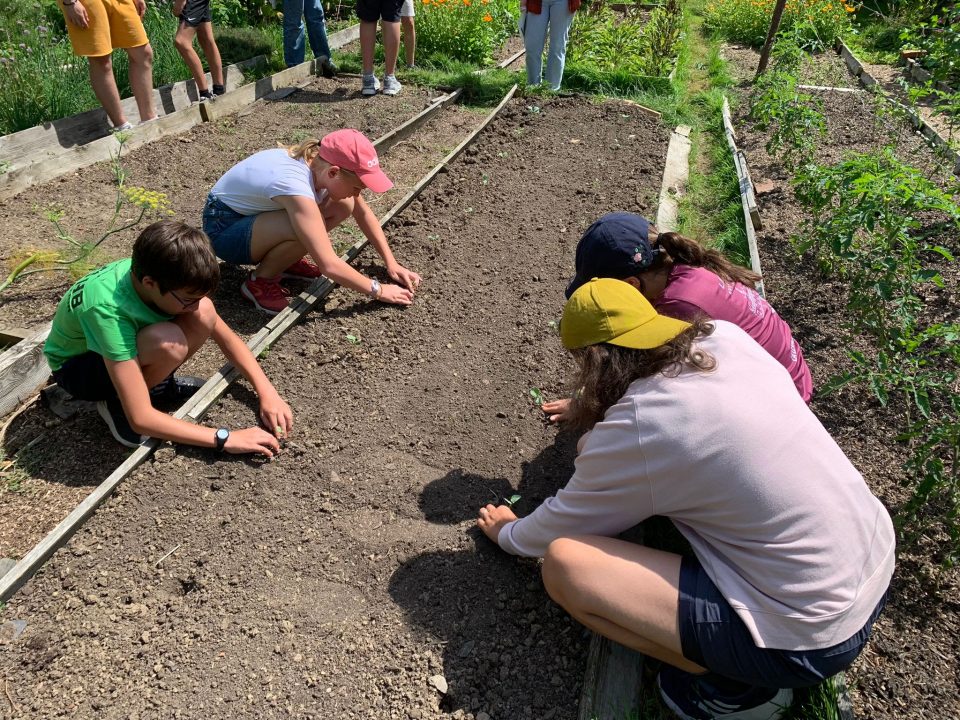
222	436
375	289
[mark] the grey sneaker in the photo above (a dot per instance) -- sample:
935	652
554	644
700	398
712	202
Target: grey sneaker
370	85
112	413
391	86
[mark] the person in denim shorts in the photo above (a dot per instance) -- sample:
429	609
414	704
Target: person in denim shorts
791	554
276	208
388	13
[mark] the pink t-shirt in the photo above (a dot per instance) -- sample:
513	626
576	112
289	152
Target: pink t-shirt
694	290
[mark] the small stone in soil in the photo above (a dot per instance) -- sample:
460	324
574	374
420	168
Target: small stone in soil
439	682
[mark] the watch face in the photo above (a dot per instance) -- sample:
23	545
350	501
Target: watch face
223	434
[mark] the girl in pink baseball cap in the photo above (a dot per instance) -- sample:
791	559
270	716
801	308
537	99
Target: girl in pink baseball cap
276	208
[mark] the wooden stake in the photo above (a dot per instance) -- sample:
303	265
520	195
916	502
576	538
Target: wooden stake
771	35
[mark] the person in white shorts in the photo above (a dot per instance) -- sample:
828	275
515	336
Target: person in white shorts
409	32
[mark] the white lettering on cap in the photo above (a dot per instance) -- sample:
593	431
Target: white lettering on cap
373	163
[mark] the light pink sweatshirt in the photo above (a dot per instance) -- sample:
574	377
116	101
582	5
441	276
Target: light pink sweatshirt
779	518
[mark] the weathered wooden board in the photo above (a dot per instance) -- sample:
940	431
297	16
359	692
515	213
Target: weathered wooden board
676	172
23	370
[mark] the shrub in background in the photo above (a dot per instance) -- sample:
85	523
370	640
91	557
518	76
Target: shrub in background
818	22
467	30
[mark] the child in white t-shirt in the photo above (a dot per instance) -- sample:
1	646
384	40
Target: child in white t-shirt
276	208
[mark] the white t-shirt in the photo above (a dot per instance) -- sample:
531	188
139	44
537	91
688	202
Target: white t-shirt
779	518
250	186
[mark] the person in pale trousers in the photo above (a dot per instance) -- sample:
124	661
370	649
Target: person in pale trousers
409	31
537	18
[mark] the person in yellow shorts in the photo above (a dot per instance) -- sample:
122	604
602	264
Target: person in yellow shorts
97	28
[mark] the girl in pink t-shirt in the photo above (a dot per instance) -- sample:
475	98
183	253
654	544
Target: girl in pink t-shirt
683	280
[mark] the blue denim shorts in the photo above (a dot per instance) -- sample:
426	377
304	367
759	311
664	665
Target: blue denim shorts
713	636
230	232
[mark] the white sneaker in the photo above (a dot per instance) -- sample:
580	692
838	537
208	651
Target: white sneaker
370	85
122	128
391	86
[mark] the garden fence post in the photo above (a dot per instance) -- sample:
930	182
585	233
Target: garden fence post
771	34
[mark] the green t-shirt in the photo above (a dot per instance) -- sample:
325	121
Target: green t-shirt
101	312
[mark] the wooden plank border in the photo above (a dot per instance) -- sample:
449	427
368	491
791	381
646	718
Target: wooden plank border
217	384
933	137
676	172
49	158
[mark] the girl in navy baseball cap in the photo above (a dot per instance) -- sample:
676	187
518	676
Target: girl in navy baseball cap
683	279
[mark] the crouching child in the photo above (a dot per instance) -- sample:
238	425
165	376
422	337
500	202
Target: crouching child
120	333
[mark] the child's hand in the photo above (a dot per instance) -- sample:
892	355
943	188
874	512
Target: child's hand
177	7
276	415
396	295
141	6
252	440
77	14
409	279
557	410
492	519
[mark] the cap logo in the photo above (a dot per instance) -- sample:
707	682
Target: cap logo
373	163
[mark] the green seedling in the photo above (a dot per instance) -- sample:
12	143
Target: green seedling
353	339
537	396
485	179
554	325
499	499
535	109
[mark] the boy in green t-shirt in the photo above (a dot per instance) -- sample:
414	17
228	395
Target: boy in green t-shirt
120	332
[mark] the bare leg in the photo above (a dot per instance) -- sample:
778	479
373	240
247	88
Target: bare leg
409	39
275	245
626	592
105	88
141	79
163	347
391	46
184	44
210	51
368	42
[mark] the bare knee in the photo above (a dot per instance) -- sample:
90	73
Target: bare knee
102	64
164	341
183	43
560	565
142	55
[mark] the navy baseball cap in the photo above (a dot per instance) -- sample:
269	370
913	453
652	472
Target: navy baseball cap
615	246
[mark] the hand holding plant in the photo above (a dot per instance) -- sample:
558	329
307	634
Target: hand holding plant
492	518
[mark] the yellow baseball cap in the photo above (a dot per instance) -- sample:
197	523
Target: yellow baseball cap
605	310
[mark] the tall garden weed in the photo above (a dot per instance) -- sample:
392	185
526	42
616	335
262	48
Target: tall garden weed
467	30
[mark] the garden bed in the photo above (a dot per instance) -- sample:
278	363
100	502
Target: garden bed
33	501
338	579
909	668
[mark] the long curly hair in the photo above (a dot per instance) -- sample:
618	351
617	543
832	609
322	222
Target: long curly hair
686	251
604	371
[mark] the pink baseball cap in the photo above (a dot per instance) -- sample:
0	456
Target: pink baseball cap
350	150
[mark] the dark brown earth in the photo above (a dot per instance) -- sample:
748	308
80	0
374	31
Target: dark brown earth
335	581
909	669
47	483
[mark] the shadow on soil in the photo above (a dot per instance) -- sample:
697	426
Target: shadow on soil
456	496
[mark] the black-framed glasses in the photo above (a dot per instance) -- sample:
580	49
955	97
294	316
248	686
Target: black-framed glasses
186	303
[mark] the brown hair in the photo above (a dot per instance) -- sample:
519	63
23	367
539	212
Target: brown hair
176	255
605	371
689	252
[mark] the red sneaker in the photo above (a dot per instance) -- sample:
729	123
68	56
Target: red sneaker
268	295
304	268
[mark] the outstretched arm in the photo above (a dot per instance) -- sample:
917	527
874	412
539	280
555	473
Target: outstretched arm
370	226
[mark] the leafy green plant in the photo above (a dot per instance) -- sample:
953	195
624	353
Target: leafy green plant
794	118
537	396
466	30
353	339
817	22
78	251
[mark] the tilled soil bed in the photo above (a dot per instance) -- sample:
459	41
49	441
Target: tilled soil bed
909	669
341	579
49	483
